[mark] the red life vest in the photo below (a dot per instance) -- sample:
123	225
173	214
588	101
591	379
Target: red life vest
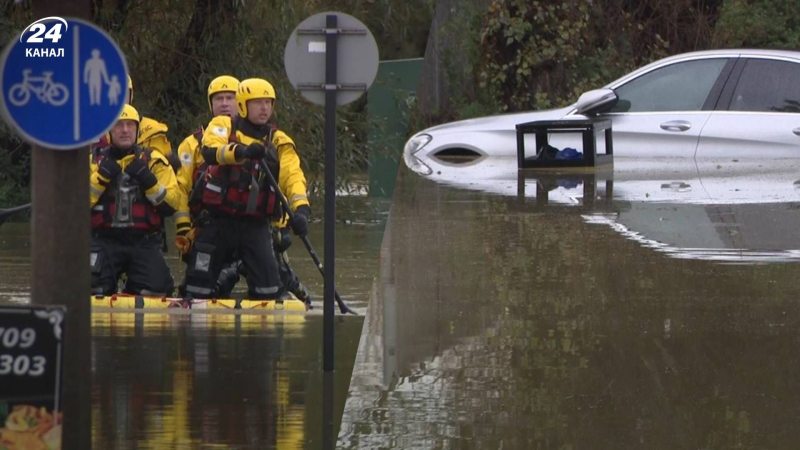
101	143
143	215
238	189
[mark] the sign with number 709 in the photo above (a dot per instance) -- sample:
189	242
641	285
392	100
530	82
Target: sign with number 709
31	354
20	365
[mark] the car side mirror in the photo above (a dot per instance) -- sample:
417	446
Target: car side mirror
593	102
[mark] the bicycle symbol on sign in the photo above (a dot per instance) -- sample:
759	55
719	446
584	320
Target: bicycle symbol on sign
55	94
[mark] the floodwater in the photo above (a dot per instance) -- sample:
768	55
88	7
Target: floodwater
655	306
359	231
178	379
215	380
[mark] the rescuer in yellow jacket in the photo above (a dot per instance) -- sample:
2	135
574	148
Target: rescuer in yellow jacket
132	190
234	201
221	102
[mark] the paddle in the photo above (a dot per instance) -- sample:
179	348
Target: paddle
342	305
6	213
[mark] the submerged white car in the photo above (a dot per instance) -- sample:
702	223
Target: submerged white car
710	104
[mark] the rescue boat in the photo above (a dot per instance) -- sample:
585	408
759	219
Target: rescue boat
128	301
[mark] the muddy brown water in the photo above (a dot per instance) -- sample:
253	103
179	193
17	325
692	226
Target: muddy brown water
360	223
178	380
601	322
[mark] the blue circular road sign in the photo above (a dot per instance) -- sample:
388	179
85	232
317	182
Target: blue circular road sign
63	83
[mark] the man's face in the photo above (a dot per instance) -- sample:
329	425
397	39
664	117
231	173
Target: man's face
223	104
123	134
259	110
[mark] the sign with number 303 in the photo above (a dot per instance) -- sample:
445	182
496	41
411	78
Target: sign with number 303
21	365
31	341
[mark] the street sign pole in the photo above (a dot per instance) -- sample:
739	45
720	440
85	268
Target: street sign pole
312	58
330	190
328	438
60	233
61	93
340	85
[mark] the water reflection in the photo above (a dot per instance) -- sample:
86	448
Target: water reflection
737	210
234	380
680	180
15	262
723	233
498	322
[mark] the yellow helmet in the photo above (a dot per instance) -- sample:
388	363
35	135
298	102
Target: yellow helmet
130	113
251	89
224	83
130	90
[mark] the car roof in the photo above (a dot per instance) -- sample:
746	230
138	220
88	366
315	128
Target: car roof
709	53
738	51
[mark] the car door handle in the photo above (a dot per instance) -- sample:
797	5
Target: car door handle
676	125
796	131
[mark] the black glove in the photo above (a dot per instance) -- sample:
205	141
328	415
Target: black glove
300	222
137	169
109	169
285	240
255	151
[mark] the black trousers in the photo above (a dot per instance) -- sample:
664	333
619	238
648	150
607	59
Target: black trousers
219	241
289	279
290	282
138	255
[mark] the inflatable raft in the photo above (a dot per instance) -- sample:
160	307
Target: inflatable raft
126	301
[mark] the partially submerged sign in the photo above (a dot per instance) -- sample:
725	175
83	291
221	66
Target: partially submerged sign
31	341
357	58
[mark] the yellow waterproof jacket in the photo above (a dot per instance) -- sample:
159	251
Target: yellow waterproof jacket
160	167
291	180
191	159
153	135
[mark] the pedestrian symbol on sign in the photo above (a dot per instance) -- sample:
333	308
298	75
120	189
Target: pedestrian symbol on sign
95	74
114	89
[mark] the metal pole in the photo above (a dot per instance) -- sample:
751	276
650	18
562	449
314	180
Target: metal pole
330	192
328	438
59	237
